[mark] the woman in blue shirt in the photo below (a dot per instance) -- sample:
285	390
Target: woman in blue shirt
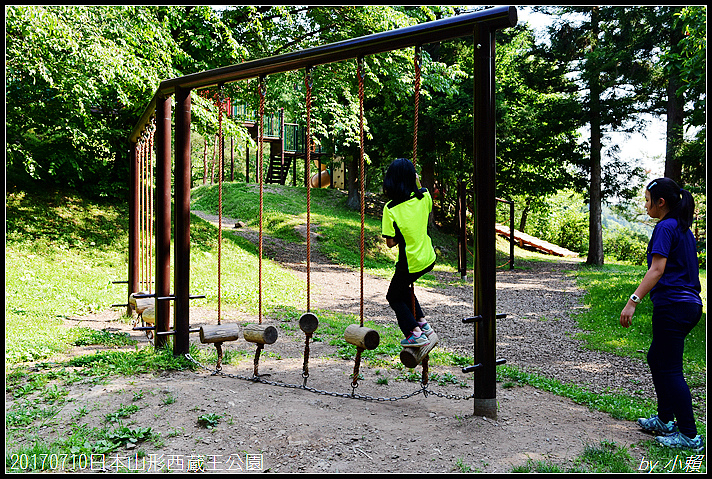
674	285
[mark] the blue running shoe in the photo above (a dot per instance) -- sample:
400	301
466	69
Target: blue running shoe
415	342
655	425
426	329
678	440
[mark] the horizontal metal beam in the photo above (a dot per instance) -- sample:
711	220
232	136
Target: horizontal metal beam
424	33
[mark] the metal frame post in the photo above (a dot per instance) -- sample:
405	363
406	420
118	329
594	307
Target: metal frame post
133	225
163	218
485	303
181	246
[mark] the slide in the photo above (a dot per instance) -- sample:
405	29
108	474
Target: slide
323	174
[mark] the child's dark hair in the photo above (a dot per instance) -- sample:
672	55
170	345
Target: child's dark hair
400	181
680	201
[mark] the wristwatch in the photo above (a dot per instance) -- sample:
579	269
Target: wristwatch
635	298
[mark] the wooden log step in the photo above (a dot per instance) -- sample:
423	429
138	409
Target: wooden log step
259	333
411	357
149	314
218	333
140	304
308	323
362	337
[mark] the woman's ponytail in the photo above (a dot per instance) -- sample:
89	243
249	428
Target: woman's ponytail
685	209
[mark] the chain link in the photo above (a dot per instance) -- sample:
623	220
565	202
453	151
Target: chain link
256	379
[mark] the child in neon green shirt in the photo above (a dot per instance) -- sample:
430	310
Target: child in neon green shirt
405	223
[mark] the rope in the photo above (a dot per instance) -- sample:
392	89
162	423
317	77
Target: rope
141	208
220	198
360	74
361	175
308	82
149	233
261	89
416	61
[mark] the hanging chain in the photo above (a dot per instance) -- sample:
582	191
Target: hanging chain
305	366
256	379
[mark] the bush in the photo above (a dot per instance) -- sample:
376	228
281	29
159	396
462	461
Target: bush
625	245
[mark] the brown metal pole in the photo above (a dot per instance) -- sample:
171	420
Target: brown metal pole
133	224
485	395
163	218
182	223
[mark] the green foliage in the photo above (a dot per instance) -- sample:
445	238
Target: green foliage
625	245
209	421
88	336
561	219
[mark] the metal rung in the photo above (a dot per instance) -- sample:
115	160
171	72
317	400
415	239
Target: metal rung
469	369
118	305
172	297
168	333
475	319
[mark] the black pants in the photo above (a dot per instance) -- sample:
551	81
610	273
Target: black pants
671	323
400	298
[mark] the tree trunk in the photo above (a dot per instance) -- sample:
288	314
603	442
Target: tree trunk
595	229
525	215
675	115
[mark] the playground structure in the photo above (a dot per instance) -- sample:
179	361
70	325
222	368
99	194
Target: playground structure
287	144
154	127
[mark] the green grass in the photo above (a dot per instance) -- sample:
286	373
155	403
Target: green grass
607	290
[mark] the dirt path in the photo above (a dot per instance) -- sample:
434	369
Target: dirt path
292	430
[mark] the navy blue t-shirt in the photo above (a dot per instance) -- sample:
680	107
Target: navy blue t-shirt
680	281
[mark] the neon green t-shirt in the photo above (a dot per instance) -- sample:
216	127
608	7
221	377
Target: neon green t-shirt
407	223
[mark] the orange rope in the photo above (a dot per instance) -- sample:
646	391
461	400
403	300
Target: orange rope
416	61
261	88
220	200
361	74
308	82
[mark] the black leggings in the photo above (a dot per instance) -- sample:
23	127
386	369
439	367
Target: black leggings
400	298
671	324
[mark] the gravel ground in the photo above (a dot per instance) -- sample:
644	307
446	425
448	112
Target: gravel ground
538	333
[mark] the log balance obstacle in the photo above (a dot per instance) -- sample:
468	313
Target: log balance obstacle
480	26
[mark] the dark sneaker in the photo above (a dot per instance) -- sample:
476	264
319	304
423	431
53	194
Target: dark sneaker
413	342
678	440
655	425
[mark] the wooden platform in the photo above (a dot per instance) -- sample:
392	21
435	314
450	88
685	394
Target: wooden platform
540	245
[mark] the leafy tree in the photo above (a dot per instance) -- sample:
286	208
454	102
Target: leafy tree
684	62
607	49
79	77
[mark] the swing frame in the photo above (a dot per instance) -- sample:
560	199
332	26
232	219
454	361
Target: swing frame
481	26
